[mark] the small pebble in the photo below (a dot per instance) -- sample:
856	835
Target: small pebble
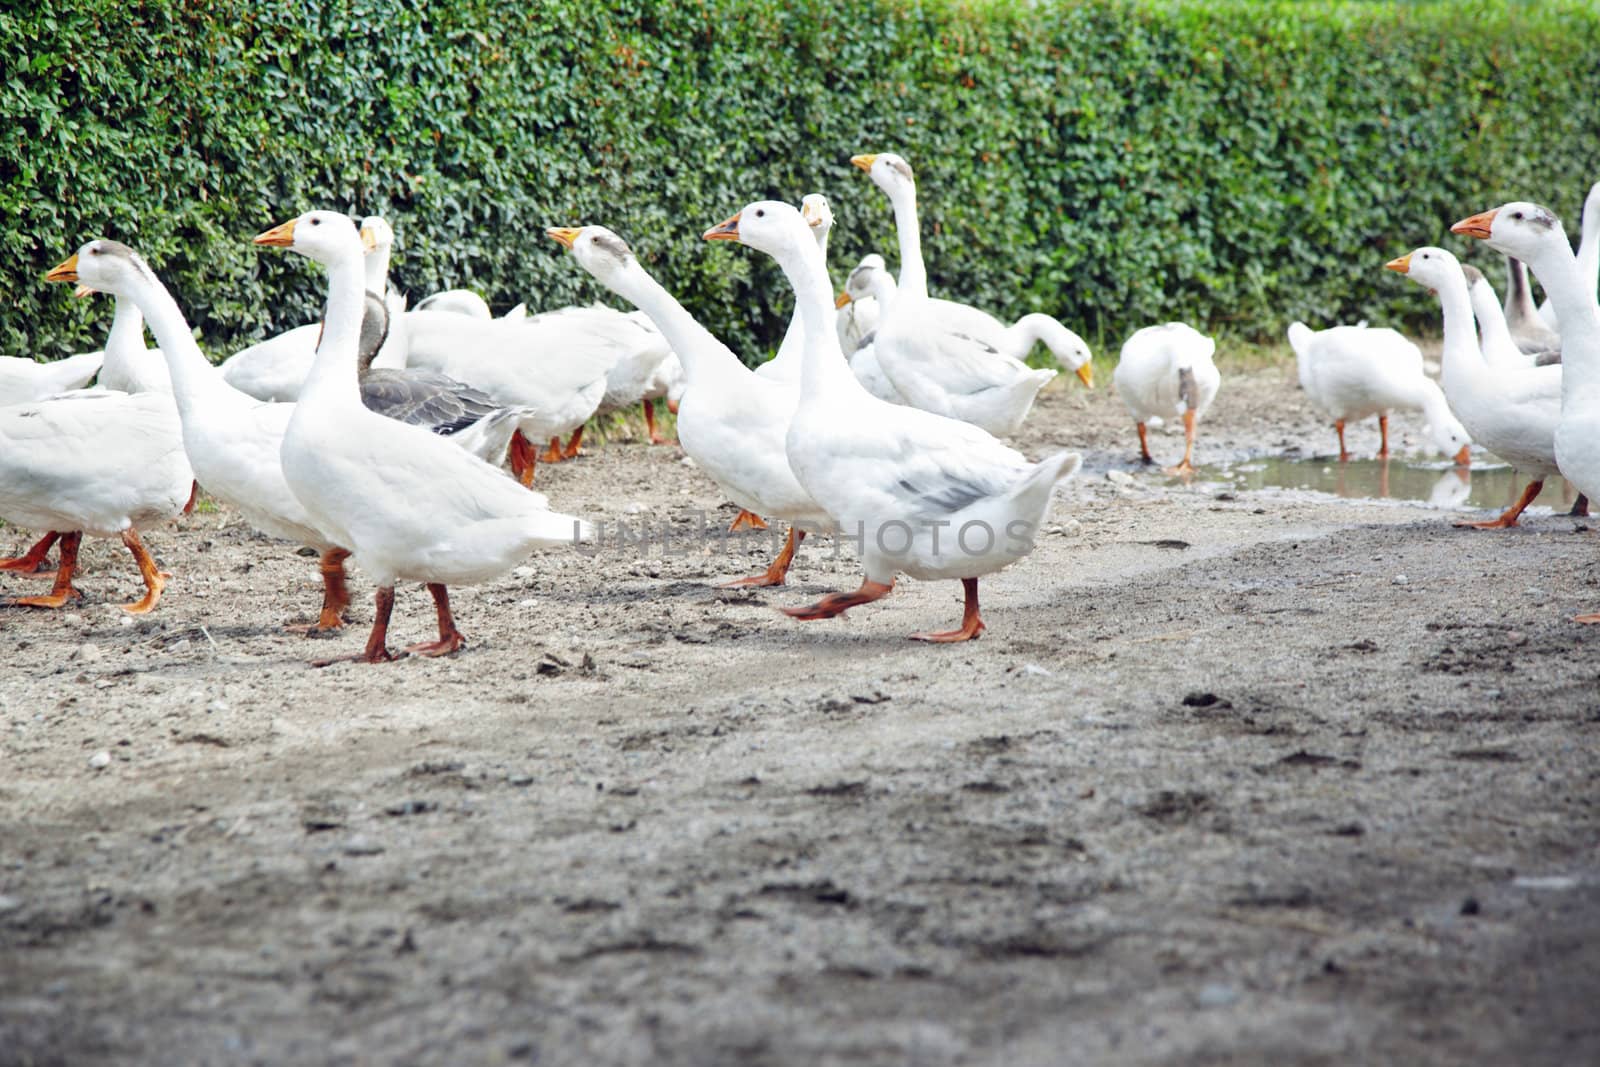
1036	670
1401	579
72	618
9	904
100	760
1217	995
635	508
86	653
362	846
217	706
1119	477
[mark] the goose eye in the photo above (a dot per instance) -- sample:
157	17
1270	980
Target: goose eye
1516	214
316	222
761	213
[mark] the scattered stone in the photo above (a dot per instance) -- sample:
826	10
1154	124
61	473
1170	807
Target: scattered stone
9	904
1205	700
1122	478
86	653
1547	882
216	707
307	551
1470	906
361	845
72	618
1034	670
635	508
523	571
1401	579
1217	995
100	760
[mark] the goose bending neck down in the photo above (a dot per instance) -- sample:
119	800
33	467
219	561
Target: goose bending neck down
896	476
409	505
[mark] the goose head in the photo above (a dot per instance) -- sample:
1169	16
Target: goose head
862	282
326	237
818	214
1428	266
769	226
376	234
104	266
889	172
597	250
1517	229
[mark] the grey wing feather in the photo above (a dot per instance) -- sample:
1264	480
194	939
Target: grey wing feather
425	398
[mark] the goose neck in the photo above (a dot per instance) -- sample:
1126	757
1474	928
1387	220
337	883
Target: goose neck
194	380
698	349
1576	308
913	272
1461	355
823	368
333	378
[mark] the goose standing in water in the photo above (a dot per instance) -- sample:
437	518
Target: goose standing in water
1163	371
898	475
409	505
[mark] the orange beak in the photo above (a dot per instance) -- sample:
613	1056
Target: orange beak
864	161
278	237
563	235
1085	374
1464	457
65	271
1401	265
1477	226
369	239
844	298
724	231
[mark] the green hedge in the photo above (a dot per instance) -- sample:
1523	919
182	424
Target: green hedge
1232	163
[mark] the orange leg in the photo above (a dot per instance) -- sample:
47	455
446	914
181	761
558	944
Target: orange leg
571	450
650	425
63	590
553	453
1509	517
194	495
450	638
155	579
335	595
32	563
1144	446
747	520
775	574
1580	507
1343	454
377	650
971	625
523	458
838	603
1383	431
1186	468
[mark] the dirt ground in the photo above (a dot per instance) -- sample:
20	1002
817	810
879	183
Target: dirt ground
1232	777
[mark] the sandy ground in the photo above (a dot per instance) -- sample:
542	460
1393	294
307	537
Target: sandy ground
1232	777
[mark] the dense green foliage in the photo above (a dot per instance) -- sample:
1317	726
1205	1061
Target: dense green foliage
1115	163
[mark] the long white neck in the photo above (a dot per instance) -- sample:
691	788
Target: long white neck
1574	301
702	355
823	370
1589	242
195	382
1462	359
1436	410
913	272
377	270
786	364
333	380
1039	327
883	290
1491	320
125	343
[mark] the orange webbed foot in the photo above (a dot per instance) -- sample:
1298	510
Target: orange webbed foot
1588	619
59	599
747	520
442	647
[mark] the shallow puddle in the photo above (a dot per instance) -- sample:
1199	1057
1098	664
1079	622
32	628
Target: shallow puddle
1486	486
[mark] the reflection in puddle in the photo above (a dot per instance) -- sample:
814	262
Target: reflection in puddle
1486	487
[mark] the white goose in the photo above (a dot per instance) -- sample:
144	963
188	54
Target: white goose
1527	328
1534	235
872	284
931	497
1588	260
22	380
234	439
130	366
950	363
1510	410
1351	372
858	307
458	301
408	505
58	474
1163	371
731	420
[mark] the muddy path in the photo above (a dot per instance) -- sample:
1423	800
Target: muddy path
1232	776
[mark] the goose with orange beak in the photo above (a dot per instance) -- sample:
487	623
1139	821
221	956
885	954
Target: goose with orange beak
953	359
1534	235
731	421
409	505
1511	411
924	495
97	463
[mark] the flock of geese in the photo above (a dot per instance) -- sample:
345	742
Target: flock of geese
408	439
